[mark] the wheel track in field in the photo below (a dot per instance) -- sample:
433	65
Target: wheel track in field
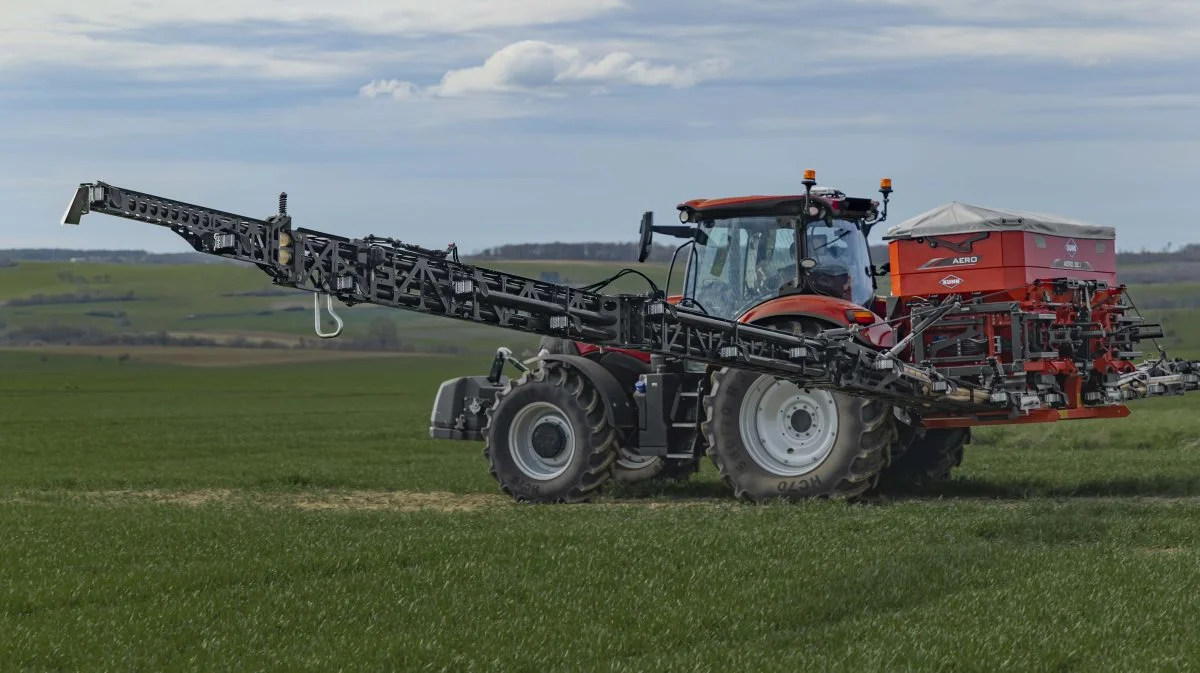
350	500
448	502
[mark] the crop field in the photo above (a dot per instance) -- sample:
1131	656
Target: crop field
223	302
162	516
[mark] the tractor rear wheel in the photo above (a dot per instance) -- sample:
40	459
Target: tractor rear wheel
772	439
548	438
924	457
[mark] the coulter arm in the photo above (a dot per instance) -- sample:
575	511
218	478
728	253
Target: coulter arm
387	272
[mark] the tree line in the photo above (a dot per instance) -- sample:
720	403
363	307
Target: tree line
591	251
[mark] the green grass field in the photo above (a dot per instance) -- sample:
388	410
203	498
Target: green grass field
158	517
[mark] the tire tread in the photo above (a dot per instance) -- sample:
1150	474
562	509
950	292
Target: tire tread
602	441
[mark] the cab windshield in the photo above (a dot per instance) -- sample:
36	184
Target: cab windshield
747	260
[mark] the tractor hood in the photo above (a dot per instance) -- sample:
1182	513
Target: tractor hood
962	218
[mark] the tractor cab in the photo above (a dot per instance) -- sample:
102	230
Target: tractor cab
749	250
746	260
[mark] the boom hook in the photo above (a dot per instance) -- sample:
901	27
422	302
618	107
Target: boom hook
317	316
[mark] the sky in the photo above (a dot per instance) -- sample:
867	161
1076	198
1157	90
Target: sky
483	122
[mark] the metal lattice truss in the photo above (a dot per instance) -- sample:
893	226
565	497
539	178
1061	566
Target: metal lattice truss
387	272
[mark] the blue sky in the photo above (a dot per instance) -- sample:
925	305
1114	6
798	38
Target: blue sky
491	121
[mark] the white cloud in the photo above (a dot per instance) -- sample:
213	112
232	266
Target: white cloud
532	66
874	34
390	87
175	61
363	16
1031	12
1073	103
1082	46
818	123
84	35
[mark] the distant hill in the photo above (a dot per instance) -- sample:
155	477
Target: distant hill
9	257
58	303
180	305
591	251
1136	268
594	252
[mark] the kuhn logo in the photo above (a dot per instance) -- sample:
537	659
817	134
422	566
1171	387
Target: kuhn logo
952	281
1071	247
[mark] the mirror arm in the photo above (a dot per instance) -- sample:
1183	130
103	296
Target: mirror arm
678	231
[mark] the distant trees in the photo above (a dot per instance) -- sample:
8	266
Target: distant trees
71	278
70	298
109	256
1188	253
601	252
592	251
383	334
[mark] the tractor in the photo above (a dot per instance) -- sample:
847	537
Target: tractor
799	263
778	360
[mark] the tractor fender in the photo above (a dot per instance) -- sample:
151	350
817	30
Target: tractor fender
618	403
825	309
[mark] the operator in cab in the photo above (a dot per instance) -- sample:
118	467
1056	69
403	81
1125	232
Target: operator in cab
832	274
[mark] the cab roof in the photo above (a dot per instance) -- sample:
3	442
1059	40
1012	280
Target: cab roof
792	204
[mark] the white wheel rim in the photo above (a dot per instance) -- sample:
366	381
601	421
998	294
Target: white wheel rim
787	431
538	420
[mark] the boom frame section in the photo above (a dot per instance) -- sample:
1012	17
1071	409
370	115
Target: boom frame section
387	272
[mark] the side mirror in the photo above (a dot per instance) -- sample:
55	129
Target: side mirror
647	232
882	270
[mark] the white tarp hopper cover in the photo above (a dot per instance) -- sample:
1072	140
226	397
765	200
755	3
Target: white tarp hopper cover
963	218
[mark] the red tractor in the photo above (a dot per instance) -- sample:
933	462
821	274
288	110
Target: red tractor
778	360
800	263
1039	319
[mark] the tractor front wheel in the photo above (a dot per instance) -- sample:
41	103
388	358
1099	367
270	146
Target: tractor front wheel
770	439
548	439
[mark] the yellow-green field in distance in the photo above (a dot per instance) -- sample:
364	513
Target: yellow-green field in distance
224	301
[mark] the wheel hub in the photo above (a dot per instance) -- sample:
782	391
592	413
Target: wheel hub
548	440
541	441
787	431
801	421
